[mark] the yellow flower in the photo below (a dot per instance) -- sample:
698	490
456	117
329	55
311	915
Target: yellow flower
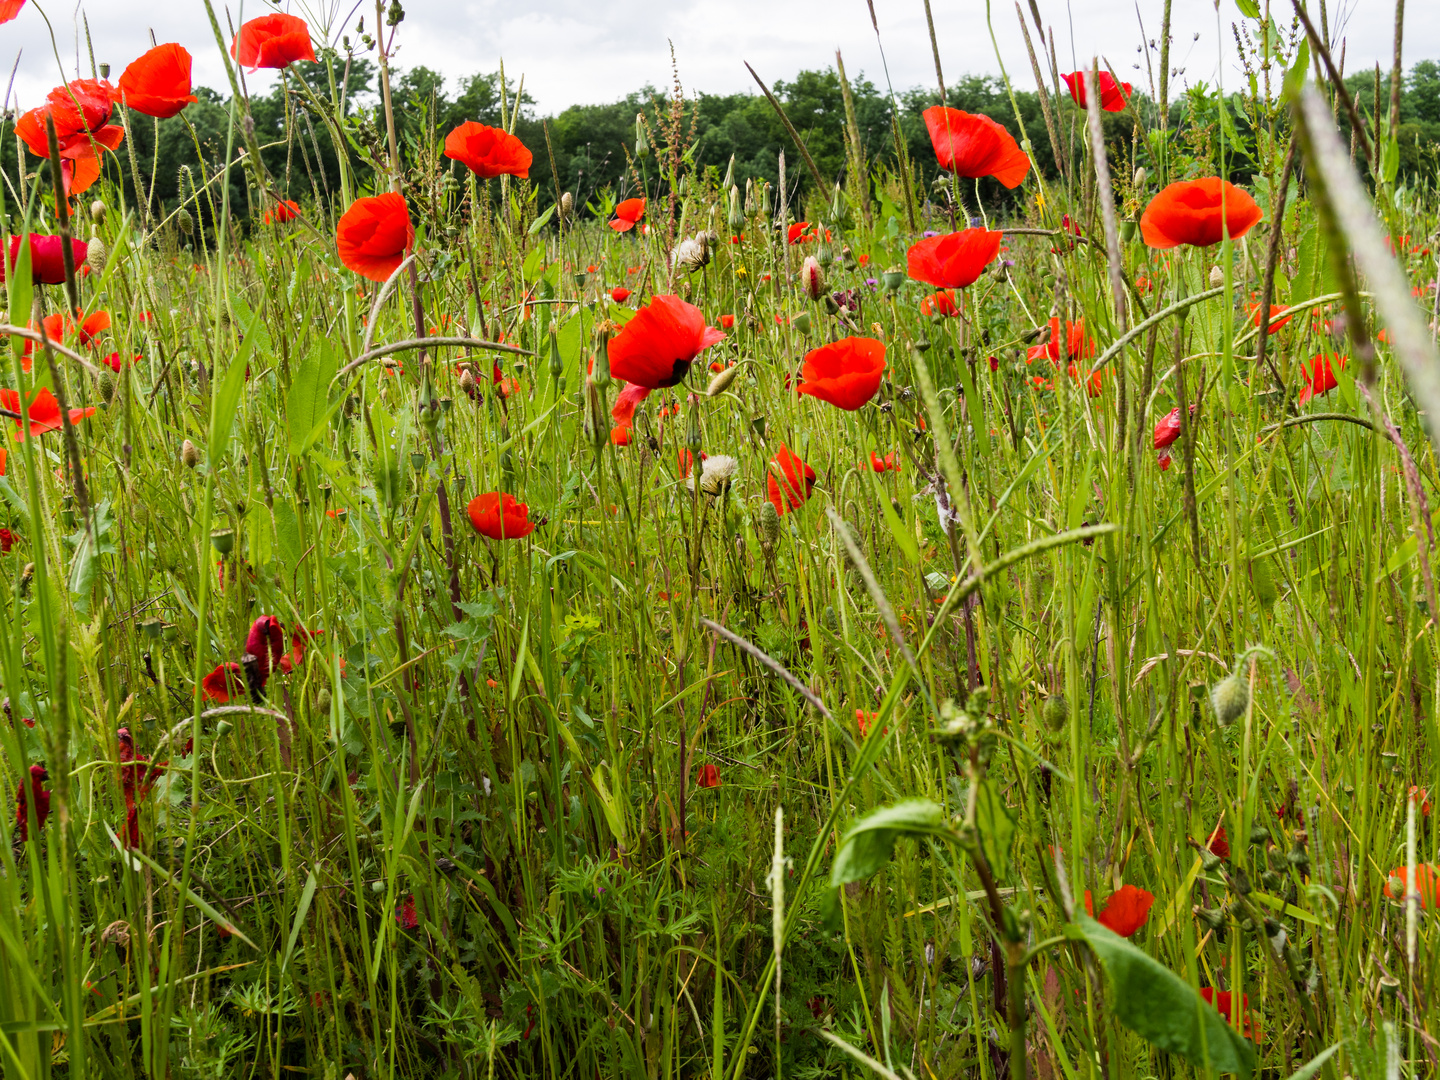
1040	199
741	271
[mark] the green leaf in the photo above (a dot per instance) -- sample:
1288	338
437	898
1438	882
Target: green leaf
1155	1003
1249	8
226	400
301	910
541	221
534	264
1295	77
869	843
1390	159
307	412
1315	1064
997	827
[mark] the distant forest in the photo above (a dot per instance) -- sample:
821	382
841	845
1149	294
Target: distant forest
591	144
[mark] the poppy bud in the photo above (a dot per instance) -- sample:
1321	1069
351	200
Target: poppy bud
557	365
721	382
106	385
1217	277
692	431
95	255
642	145
1229	697
189	456
184	222
737	216
600	372
832	621
322	701
1055	712
1140	177
97	211
729	180
597	428
467	382
839	205
769	525
567	206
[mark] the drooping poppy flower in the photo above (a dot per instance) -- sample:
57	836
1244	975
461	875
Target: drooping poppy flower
1427	883
1322	376
788	480
35	795
656	348
1219	844
500	516
619	294
1113	95
137	779
375	235
223	683
9	9
287	210
158	83
708	776
1188	212
272	41
94	324
941	303
264	646
1163	461
846	373
627	214
7	541
44	412
1125	912
1077	345
47	258
487	151
954	260
971	145
1274	323
885	464
1223	1001
1167	430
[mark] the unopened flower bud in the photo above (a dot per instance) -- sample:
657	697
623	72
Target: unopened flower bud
1229	698
1055	712
467	382
801	322
642	144
95	255
597	428
97	211
600	372
721	382
769	525
189	456
737	215
184	222
1140	177
557	365
1217	277
812	278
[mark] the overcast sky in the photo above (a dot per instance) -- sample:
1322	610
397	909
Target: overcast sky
591	51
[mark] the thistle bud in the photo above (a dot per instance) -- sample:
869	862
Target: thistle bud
1229	697
812	278
95	255
721	382
1217	277
184	222
1210	918
839	205
1055	712
769	525
189	456
97	211
729	180
642	145
567	206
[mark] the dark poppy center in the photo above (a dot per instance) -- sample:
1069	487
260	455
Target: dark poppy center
678	371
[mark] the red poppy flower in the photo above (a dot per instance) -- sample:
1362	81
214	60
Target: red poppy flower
972	145
300	639
941	303
1126	911
885	464
1219	843
405	916
789	480
487	151
620	435
36	795
272	41
707	777
1275	309
1222	1000
44	412
1416	794
955	260
47	258
796	233
288	210
114	363
224	683
656	348
1188	212
1163	461
846	373
1427	882
94	324
1322	376
7	541
619	294
627	214
81	111
1094	384
864	719
158	83
623	412
727	322
1113	95
1168	429
1077	344
500	516
375	235
9	9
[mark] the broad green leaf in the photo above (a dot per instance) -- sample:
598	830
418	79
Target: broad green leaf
227	399
543	220
1295	77
287	534
533	265
997	827
903	537
307	412
867	846
1249	8
1158	1005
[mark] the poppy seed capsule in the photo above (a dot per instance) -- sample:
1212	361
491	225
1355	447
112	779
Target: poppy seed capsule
1229	698
1055	712
189	456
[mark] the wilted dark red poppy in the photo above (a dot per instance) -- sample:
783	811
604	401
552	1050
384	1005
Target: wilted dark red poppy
375	235
405	916
44	412
1427	882
1168	429
1113	95
9	9
287	210
272	41
488	151
500	516
940	303
1275	323
47	258
37	796
264	647
1077	345
656	348
627	214
1321	370
708	776
158	83
224	683
619	294
788	480
972	146
955	260
1219	843
1126	911
1188	212
846	373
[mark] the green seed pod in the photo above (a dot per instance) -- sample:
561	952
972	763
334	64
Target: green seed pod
1055	712
801	322
322	701
832	621
769	524
1229	697
721	382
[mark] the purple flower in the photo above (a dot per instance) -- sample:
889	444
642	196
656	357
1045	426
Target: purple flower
872	282
976	222
929	233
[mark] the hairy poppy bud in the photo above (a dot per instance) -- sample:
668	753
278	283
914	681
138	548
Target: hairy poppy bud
95	255
600	371
567	205
812	278
642	144
106	384
184	222
1229	698
737	216
467	382
769	525
1055	712
557	365
1217	277
189	455
322	701
1140	177
721	382
97	212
